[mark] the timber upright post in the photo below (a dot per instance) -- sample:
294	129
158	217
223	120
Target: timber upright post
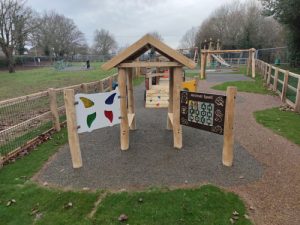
227	155
170	106
53	108
72	128
297	106
131	107
203	65
124	128
249	62
177	129
253	62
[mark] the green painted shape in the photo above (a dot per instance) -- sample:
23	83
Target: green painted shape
90	119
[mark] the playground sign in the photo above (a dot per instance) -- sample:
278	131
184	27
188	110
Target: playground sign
94	111
203	111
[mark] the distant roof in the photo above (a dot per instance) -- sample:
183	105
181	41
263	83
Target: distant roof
143	45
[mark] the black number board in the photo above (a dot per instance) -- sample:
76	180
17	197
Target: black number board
203	111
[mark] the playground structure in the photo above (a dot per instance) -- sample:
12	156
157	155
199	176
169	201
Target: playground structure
126	60
207	54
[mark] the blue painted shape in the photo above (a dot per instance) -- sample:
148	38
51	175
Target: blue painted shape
110	99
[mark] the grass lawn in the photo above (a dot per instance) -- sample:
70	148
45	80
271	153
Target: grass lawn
33	204
255	86
283	123
33	80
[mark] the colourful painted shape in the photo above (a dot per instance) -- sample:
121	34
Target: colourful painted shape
87	102
109	115
110	99
90	119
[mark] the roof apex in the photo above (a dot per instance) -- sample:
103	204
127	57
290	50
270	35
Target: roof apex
140	46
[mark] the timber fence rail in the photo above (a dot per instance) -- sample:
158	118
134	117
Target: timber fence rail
26	118
283	82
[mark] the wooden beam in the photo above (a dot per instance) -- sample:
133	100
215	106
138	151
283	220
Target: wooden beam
177	129
249	63
297	103
72	128
54	108
253	63
124	128
269	75
227	155
224	51
149	64
170	106
170	116
275	82
131	107
203	66
131	118
285	86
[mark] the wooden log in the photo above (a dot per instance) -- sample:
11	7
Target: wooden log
269	75
177	129
227	155
170	106
275	83
253	63
297	103
101	88
110	83
124	128
285	86
54	108
84	88
72	128
249	62
149	64
203	66
131	107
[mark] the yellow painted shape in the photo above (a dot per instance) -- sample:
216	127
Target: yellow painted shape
86	102
189	85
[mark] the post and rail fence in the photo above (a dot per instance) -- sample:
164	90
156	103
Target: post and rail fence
28	120
283	82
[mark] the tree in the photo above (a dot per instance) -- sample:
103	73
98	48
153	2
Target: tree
189	39
59	35
104	42
288	14
15	26
240	25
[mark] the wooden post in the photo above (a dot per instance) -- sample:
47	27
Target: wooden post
170	107
253	63
110	83
101	88
269	75
197	83
84	88
177	129
124	128
249	62
227	156
275	82
131	108
54	108
203	65
297	103
285	86
72	128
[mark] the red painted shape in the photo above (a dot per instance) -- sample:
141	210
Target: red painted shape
109	115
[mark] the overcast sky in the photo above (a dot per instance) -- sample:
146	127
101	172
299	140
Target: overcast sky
128	20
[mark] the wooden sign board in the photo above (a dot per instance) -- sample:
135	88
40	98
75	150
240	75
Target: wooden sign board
203	111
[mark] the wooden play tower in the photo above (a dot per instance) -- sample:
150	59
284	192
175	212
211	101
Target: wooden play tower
126	61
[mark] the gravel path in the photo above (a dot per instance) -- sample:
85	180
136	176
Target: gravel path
265	172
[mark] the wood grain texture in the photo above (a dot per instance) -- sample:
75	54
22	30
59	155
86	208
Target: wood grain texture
54	108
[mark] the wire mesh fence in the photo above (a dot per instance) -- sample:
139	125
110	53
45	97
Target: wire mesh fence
24	118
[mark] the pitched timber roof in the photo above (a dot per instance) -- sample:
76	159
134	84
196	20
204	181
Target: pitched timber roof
143	45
